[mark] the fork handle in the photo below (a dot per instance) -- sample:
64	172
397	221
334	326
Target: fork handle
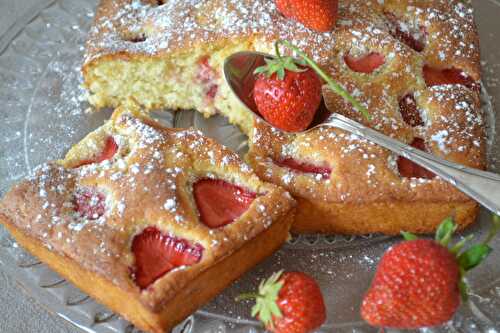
482	186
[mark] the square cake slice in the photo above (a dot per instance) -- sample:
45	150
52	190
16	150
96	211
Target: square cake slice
152	222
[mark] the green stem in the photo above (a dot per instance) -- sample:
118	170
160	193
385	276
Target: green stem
334	86
247	296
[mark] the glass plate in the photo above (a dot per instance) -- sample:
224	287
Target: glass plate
43	112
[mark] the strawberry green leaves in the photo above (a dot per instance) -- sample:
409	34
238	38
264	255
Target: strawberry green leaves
279	66
445	231
477	253
408	236
473	256
265	305
266	300
289	302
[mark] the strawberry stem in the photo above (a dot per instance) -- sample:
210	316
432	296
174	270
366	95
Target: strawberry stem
277	50
334	86
494	229
458	246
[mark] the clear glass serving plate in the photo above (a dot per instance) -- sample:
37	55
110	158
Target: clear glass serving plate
43	112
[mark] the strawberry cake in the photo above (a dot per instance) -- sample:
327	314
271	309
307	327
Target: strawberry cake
151	222
413	64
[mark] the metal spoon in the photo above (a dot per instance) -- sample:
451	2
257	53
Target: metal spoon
482	186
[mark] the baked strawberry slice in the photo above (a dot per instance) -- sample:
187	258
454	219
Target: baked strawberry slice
409	111
156	254
219	202
89	204
435	76
207	75
304	167
412	36
365	64
409	169
110	149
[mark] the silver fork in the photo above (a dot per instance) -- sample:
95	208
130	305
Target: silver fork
482	186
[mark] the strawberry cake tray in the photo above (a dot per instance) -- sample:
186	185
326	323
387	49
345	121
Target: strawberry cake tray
44	112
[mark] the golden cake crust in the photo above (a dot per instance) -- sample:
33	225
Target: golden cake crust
131	32
144	28
147	183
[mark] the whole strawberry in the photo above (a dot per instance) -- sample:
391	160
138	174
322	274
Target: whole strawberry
287	94
319	15
289	302
418	282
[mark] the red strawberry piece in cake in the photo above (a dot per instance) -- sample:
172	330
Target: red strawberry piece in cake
157	254
304	167
110	149
412	36
436	76
207	76
366	64
219	202
409	169
409	111
89	203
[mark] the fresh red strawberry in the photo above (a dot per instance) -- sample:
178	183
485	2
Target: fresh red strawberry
156	254
416	285
304	167
435	76
287	95
365	64
285	65
110	149
418	282
219	202
319	15
289	302
410	169
89	204
409	111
